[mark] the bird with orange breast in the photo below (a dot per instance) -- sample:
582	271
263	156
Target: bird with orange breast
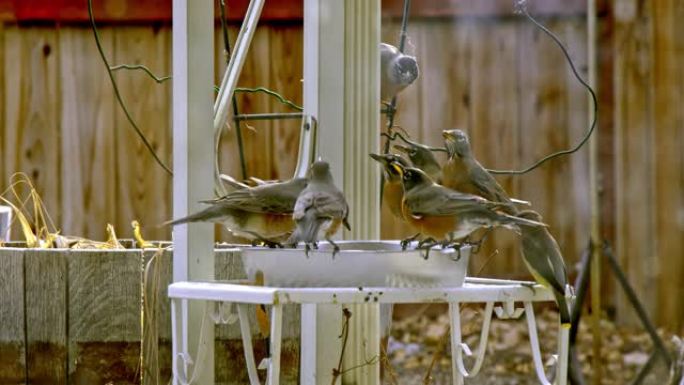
462	172
392	190
445	215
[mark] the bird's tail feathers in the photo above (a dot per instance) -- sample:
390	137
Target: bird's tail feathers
523	221
205	215
563	308
520	202
307	230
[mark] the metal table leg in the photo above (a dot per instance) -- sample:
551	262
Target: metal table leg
276	336
247	344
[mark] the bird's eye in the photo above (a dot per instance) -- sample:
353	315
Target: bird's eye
412	153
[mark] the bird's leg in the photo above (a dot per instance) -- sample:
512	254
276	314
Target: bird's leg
478	244
264	241
529	285
406	242
427	241
451	244
427	244
307	248
336	249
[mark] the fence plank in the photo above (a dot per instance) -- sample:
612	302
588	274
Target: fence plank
143	187
668	50
12	333
104	315
634	162
32	126
88	183
286	45
494	124
46	315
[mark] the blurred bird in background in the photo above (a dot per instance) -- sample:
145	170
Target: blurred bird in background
397	71
260	214
319	210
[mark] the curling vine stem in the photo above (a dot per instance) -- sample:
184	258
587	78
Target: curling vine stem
521	8
117	94
157	79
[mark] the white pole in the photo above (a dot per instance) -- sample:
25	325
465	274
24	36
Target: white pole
193	258
5	221
342	91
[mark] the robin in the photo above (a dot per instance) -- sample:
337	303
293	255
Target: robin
262	213
447	215
544	260
397	71
423	158
320	209
392	190
462	172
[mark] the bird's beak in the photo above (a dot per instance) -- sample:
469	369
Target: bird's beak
398	168
376	157
447	135
402	148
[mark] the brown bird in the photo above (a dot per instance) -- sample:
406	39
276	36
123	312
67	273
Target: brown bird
423	158
544	260
262	213
320	209
444	214
392	190
462	172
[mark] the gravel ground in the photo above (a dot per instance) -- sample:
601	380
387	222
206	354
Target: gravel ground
508	361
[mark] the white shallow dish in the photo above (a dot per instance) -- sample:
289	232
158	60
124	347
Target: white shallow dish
358	264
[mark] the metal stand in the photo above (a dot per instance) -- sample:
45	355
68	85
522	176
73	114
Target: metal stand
581	286
487	291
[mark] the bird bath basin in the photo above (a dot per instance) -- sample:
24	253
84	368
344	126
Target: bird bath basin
359	263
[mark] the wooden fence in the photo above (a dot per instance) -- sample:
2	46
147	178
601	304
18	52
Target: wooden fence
75	316
500	78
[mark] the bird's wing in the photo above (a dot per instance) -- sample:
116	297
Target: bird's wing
486	184
330	205
274	198
438	200
544	258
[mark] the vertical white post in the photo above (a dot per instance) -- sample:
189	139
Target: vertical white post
342	90
5	221
193	258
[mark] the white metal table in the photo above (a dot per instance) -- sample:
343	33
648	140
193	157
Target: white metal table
475	290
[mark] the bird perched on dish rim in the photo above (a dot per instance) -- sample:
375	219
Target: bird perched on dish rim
260	213
447	215
320	209
393	190
397	71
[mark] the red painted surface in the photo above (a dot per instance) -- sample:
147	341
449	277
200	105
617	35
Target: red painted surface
136	11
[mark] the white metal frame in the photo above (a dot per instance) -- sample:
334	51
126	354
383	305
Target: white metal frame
487	291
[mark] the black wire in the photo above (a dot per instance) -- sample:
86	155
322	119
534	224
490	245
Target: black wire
579	78
236	112
118	95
